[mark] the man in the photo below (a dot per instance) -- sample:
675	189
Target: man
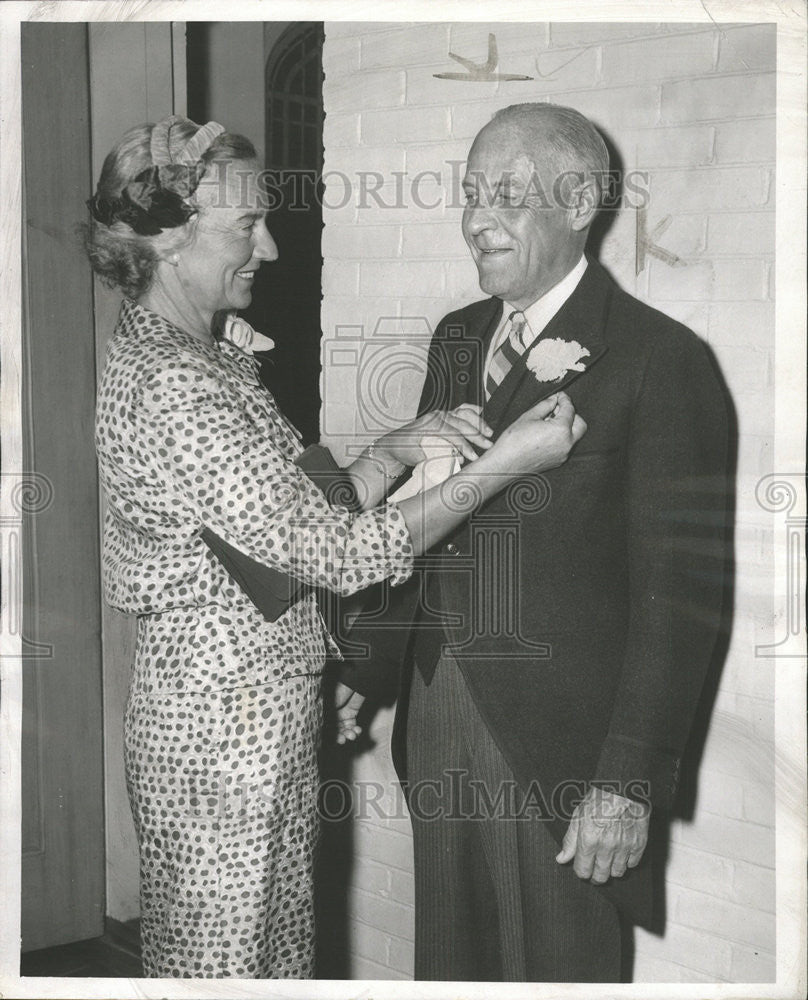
576	683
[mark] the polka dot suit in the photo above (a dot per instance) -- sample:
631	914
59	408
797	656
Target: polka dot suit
223	716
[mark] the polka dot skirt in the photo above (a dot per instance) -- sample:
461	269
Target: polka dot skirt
223	717
223	788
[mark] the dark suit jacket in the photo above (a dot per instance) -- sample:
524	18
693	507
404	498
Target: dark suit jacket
588	662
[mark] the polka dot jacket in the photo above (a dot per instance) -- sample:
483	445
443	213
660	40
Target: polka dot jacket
223	717
186	437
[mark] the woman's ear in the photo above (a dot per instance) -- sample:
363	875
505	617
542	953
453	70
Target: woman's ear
169	244
166	273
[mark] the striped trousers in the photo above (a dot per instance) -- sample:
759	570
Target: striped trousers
491	903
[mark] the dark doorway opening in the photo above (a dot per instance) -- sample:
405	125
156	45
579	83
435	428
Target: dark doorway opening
287	293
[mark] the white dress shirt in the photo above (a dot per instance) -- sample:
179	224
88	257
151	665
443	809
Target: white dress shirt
539	314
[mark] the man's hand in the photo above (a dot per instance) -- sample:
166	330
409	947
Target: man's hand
607	835
348	703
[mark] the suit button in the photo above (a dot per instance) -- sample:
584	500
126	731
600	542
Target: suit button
452	549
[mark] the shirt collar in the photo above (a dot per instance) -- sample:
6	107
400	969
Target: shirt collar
540	313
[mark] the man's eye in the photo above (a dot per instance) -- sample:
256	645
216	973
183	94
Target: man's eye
471	199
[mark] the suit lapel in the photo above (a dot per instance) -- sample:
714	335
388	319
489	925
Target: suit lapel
582	318
472	390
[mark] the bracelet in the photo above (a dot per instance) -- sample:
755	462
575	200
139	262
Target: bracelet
370	451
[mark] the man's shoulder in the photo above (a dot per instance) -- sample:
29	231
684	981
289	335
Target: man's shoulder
469	317
633	319
640	313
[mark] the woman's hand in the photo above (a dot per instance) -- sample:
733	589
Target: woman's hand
462	427
385	460
540	439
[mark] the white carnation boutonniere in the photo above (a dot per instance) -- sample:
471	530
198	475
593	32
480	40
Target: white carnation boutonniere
551	359
239	332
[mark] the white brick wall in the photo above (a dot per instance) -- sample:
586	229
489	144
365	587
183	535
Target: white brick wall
694	106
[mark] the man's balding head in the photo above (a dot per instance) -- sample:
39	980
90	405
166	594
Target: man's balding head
533	186
556	135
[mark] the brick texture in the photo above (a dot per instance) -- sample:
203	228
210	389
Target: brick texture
664	58
718	97
691	105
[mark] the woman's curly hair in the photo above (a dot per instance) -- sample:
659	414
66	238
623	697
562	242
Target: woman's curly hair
136	219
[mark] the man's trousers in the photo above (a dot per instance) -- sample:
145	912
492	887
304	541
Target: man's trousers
491	902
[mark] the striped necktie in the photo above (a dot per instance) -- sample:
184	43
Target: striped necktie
507	354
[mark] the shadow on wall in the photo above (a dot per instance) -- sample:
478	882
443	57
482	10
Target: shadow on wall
336	854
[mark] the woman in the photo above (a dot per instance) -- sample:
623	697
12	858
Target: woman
223	717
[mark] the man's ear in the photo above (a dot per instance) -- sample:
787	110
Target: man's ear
585	202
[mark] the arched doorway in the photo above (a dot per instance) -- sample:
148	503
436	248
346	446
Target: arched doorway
286	298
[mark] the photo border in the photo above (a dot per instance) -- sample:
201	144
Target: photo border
789	461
